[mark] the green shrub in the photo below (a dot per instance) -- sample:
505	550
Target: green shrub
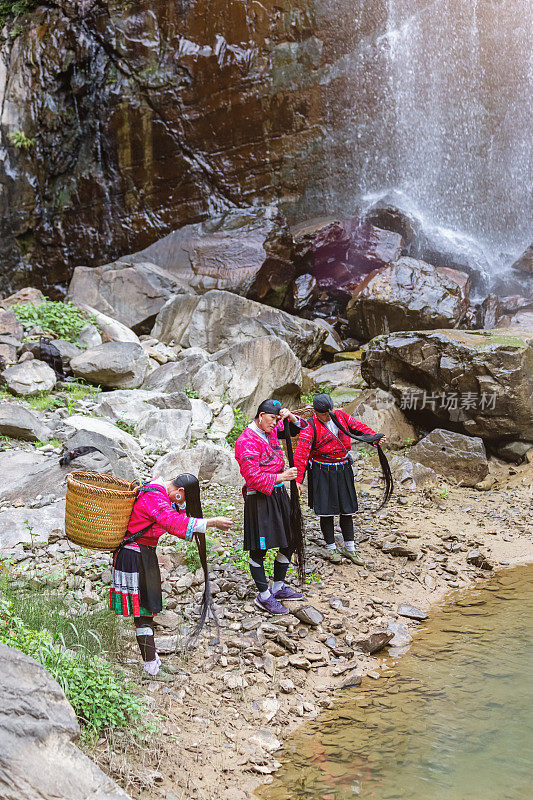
126	425
95	687
15	8
62	320
307	399
238	426
192	393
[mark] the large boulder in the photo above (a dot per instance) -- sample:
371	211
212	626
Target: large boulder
130	293
453	250
378	410
209	462
453	455
524	264
27	295
410	474
338	373
408	295
132	404
119	365
259	369
29	378
477	382
19	422
333	255
244	251
165	426
220	319
107	329
195	371
38	727
119	447
18	525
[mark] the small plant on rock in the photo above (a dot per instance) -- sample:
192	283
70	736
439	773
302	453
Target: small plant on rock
238	426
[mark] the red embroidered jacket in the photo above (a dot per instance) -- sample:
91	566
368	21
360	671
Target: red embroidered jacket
328	447
260	462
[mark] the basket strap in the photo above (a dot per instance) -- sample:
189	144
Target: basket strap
133	538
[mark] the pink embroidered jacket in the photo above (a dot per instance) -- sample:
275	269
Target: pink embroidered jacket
260	462
155	507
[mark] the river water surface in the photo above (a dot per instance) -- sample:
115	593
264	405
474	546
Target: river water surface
451	720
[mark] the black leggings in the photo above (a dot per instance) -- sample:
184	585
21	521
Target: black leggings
326	526
257	569
144	628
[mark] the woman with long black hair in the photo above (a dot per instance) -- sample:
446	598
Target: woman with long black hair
324	450
162	507
271	518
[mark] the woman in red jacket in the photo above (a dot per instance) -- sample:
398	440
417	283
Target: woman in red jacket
324	450
266	502
163	506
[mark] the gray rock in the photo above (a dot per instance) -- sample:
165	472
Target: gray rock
202	416
181	375
353	679
10	326
479	381
410	473
111	330
375	642
514	451
119	448
524	264
386	301
131	293
401	635
405	610
309	615
392	549
29	378
477	559
220	319
118	365
38	727
89	336
453	455
378	409
259	369
68	351
132	404
165	425
338	373
19	422
19	525
207	461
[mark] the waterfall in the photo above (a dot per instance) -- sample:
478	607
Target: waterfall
460	78
433	100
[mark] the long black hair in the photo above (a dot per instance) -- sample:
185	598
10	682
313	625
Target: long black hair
193	508
324	404
297	532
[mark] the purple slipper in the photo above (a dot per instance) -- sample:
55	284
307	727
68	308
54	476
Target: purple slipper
271	605
286	593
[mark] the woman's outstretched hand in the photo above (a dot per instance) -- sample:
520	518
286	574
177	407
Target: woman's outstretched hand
222	523
289	475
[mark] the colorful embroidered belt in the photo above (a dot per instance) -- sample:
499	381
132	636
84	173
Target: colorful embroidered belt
253	491
331	463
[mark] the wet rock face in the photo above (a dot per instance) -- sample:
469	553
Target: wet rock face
408	295
477	382
525	262
146	117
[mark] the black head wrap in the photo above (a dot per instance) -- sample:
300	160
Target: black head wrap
269	407
322	403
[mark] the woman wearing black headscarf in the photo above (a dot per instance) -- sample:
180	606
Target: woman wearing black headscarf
324	450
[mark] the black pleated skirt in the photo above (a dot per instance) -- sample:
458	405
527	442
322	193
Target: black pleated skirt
331	489
267	520
136	582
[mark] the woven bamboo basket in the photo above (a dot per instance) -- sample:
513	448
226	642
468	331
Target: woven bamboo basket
98	509
305	413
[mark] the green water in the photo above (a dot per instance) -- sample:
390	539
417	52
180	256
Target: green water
452	721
